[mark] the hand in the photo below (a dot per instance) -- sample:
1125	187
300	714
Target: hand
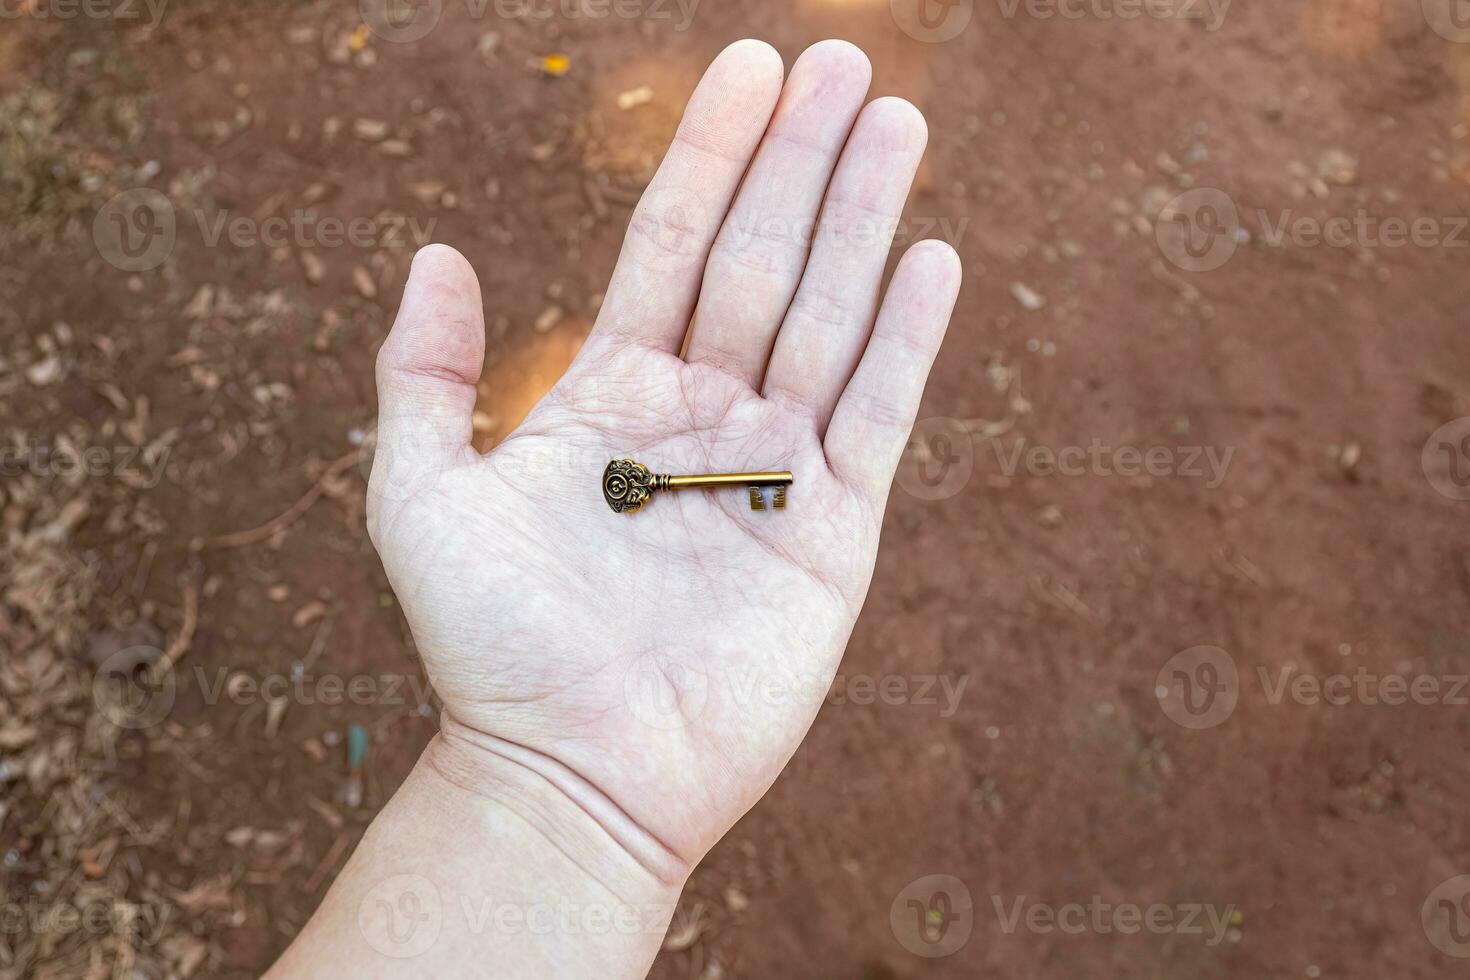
659	668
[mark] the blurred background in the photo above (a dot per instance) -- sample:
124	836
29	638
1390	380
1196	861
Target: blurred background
1163	669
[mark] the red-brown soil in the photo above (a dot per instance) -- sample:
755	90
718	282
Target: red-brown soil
1057	600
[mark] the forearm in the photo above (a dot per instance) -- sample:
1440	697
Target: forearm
452	881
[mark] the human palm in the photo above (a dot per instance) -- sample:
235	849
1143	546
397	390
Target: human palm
672	658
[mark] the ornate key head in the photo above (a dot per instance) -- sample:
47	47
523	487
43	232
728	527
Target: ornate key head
626	485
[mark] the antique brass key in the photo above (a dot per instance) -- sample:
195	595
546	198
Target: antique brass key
627	485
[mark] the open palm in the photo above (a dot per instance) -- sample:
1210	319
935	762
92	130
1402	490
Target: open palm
662	666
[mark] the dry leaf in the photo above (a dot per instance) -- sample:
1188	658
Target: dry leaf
556	65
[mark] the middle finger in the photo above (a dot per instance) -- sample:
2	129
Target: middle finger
758	257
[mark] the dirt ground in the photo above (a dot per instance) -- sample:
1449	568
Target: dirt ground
1293	514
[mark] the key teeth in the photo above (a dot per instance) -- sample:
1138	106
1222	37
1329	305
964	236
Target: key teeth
779	501
757	499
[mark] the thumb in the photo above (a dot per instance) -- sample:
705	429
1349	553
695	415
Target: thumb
427	370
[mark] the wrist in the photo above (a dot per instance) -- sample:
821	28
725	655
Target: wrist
479	860
570	813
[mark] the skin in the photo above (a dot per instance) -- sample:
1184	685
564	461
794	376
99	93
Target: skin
619	689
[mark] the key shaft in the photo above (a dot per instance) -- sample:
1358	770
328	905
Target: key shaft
769	479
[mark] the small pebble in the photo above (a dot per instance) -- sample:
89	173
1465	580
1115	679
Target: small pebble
1027	297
